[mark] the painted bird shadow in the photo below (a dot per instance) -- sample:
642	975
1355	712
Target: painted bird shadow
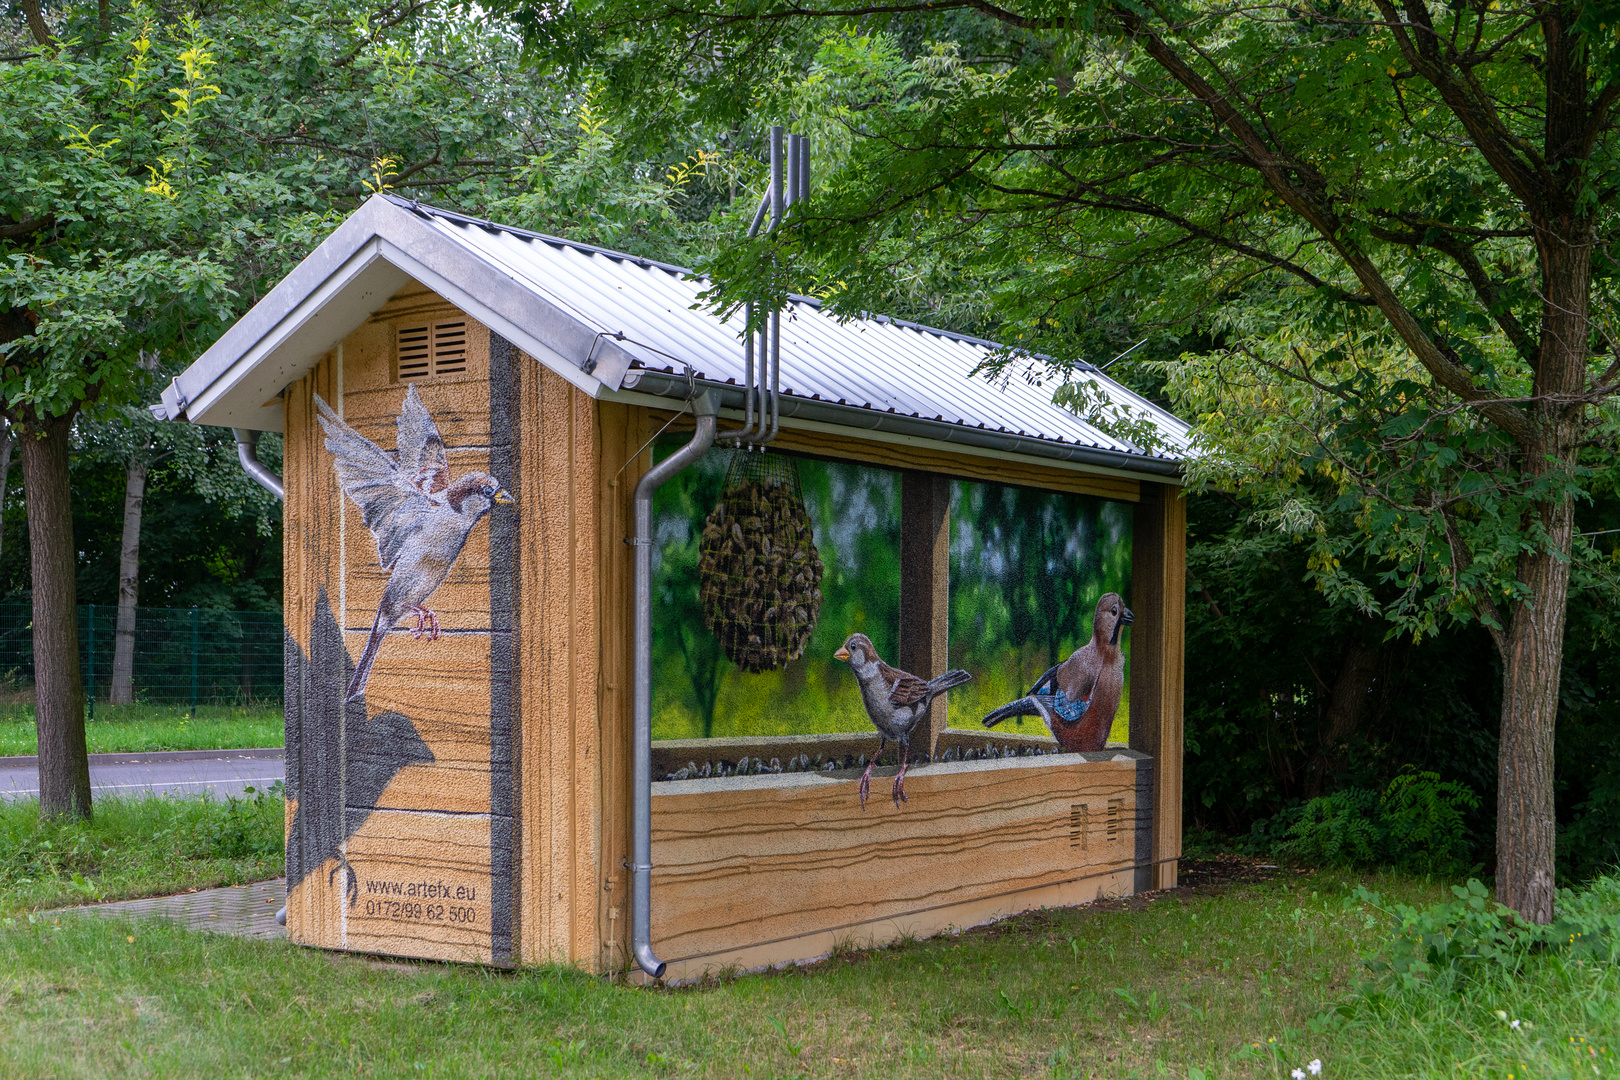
331	801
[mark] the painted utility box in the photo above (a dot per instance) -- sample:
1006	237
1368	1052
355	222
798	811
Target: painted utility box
467	409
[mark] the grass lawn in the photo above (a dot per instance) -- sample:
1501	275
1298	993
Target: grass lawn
1250	974
132	847
134	728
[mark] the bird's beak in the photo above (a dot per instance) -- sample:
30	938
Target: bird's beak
502	497
841	654
1125	619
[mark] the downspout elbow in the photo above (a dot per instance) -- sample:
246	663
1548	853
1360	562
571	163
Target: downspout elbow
706	408
247	452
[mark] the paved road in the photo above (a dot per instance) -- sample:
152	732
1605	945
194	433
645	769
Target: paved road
187	772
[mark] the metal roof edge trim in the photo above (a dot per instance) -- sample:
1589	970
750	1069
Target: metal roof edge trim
357	272
543	352
659	384
379	229
328	260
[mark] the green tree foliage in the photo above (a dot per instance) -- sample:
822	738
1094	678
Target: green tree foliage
166	165
1391	218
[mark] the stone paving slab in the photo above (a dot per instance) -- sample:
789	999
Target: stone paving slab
240	910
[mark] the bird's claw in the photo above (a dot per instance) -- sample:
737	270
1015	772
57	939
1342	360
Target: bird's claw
426	623
351	886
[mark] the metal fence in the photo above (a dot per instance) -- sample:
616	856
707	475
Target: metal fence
182	656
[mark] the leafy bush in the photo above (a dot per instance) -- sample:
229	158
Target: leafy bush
1446	944
249	828
1417	824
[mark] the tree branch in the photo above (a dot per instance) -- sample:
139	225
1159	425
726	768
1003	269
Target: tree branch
1461	560
1485	289
1514	161
1309	201
23	228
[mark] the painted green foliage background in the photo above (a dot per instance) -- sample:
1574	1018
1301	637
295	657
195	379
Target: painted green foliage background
1027	568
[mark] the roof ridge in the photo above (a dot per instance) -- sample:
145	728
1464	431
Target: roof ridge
429	210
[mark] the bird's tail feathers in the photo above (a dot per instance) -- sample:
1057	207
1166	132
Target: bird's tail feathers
1024	706
950	679
362	670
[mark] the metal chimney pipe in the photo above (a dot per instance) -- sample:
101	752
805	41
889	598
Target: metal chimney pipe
776	175
771	383
706	408
804	168
792	169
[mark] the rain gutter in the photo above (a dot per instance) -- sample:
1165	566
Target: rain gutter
663	384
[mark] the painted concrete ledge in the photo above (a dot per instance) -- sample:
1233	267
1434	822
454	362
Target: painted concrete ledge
925	922
267	752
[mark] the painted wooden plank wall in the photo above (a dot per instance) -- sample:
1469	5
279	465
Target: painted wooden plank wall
745	862
419	775
398	842
561	776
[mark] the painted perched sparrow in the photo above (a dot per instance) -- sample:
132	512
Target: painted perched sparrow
420	519
895	702
1078	698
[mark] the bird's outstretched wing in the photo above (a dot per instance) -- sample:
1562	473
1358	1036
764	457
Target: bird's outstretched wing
421	451
908	691
1047	682
390	502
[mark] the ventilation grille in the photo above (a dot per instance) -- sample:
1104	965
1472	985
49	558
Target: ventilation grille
439	349
1079	822
1114	807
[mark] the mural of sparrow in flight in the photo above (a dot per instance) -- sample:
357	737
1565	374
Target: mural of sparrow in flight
1078	698
420	519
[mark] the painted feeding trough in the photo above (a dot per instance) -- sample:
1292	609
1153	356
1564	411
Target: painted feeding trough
595	626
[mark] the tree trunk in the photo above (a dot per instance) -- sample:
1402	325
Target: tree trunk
1533	644
36	22
129	573
64	765
1532	666
1347	704
7	443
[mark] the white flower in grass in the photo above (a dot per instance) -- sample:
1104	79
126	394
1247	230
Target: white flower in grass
1514	1025
1315	1067
1298	1074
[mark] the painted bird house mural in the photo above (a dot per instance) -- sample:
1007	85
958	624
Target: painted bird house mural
609	646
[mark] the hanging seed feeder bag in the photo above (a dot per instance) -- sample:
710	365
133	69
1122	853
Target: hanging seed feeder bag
759	572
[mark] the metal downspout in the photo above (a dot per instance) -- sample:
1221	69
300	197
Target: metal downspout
706	408
247	452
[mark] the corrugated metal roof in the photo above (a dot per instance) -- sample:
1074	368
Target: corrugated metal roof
875	363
